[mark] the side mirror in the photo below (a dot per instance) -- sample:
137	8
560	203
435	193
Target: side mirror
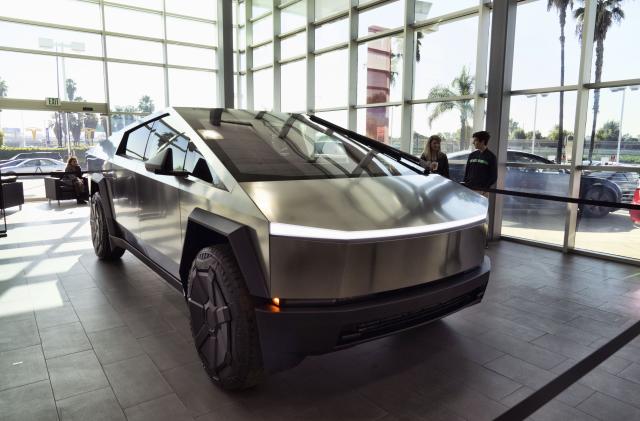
162	163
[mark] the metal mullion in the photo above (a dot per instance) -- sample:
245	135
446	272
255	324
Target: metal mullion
164	51
580	128
197	69
264	15
441	99
105	67
49	53
616	168
261	43
331	18
331	48
192	18
135	8
311	59
377	35
448	18
538	166
249	53
550	90
352	84
224	79
500	74
50	25
613	84
482	59
191	44
293	59
288	3
406	122
292	32
277	82
328	109
263	67
39	105
372	5
379	104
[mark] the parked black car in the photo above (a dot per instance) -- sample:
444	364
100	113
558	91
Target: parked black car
607	186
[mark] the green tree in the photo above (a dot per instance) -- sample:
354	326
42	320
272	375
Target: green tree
513	126
561	6
555	132
519	134
461	85
609	131
530	134
4	88
146	105
607	12
70	87
121	118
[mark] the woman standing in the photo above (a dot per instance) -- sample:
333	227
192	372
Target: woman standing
433	159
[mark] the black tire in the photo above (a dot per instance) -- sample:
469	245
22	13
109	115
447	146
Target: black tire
598	193
100	232
223	321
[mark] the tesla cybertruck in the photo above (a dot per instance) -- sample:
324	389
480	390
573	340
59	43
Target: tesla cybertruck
288	235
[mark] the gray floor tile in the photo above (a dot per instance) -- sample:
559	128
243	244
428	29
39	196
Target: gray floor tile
631	373
33	402
169	350
195	390
18	334
563	346
63	340
136	380
525	351
558	411
145	322
607	408
167	408
614	386
101	317
76	373
115	344
56	316
22	366
99	405
520	371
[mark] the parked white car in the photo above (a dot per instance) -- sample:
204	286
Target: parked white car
34	165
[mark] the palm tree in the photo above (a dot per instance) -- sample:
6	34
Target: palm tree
145	104
4	88
71	88
607	12
461	85
562	6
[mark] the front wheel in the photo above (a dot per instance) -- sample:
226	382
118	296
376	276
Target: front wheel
100	231
598	193
223	321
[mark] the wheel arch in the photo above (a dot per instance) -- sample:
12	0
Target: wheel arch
205	229
99	183
589	182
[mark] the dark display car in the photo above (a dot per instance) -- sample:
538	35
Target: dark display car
608	186
288	236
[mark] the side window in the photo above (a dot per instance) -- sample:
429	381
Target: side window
191	161
137	141
164	136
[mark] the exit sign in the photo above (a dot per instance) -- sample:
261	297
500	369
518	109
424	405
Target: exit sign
53	102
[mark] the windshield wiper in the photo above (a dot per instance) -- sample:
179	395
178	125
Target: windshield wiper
406	159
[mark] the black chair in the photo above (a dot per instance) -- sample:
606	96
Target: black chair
12	194
56	189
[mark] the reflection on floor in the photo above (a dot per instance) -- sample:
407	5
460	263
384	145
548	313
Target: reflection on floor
80	338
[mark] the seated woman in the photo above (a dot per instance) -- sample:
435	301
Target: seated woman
73	177
433	159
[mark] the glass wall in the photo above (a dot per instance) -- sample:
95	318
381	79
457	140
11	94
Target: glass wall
153	53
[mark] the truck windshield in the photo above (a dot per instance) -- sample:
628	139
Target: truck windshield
265	146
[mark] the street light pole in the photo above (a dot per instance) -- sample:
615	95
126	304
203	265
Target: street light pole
535	117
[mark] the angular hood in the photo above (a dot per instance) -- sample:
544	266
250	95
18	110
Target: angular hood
368	207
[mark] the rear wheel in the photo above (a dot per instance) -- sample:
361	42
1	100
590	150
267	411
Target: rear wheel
100	231
223	321
598	193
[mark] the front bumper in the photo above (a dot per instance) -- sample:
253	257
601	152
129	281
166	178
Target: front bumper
289	333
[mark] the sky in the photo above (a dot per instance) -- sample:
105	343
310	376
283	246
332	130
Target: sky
446	49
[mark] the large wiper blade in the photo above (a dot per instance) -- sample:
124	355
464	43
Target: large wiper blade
400	156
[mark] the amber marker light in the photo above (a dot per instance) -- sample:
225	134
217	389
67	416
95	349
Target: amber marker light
276	301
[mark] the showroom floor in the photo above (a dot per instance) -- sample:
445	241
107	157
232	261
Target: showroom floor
81	339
